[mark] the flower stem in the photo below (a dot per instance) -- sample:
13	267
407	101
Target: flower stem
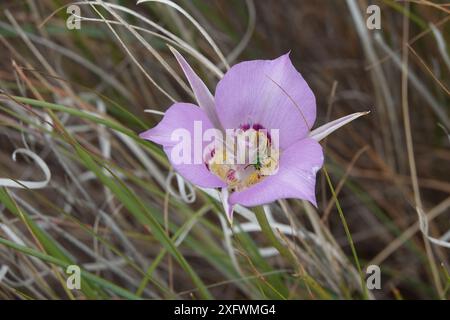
268	231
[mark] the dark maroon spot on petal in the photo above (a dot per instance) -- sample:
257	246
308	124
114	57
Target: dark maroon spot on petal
257	127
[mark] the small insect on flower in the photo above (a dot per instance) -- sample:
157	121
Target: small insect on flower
258	125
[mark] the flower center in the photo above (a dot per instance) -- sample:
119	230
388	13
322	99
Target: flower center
245	158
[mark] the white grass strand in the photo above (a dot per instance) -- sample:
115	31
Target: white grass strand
22	184
196	24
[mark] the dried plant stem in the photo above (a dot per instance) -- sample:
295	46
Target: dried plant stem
410	152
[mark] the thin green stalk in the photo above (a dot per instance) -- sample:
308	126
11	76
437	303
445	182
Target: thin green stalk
347	232
268	232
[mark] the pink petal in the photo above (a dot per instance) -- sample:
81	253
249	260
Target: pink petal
202	94
271	93
296	177
182	116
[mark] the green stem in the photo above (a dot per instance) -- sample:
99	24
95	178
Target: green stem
268	232
347	232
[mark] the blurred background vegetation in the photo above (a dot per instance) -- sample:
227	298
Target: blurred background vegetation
72	102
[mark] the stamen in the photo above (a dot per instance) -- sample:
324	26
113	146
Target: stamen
261	158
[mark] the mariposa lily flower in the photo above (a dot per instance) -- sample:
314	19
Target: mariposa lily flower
252	95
